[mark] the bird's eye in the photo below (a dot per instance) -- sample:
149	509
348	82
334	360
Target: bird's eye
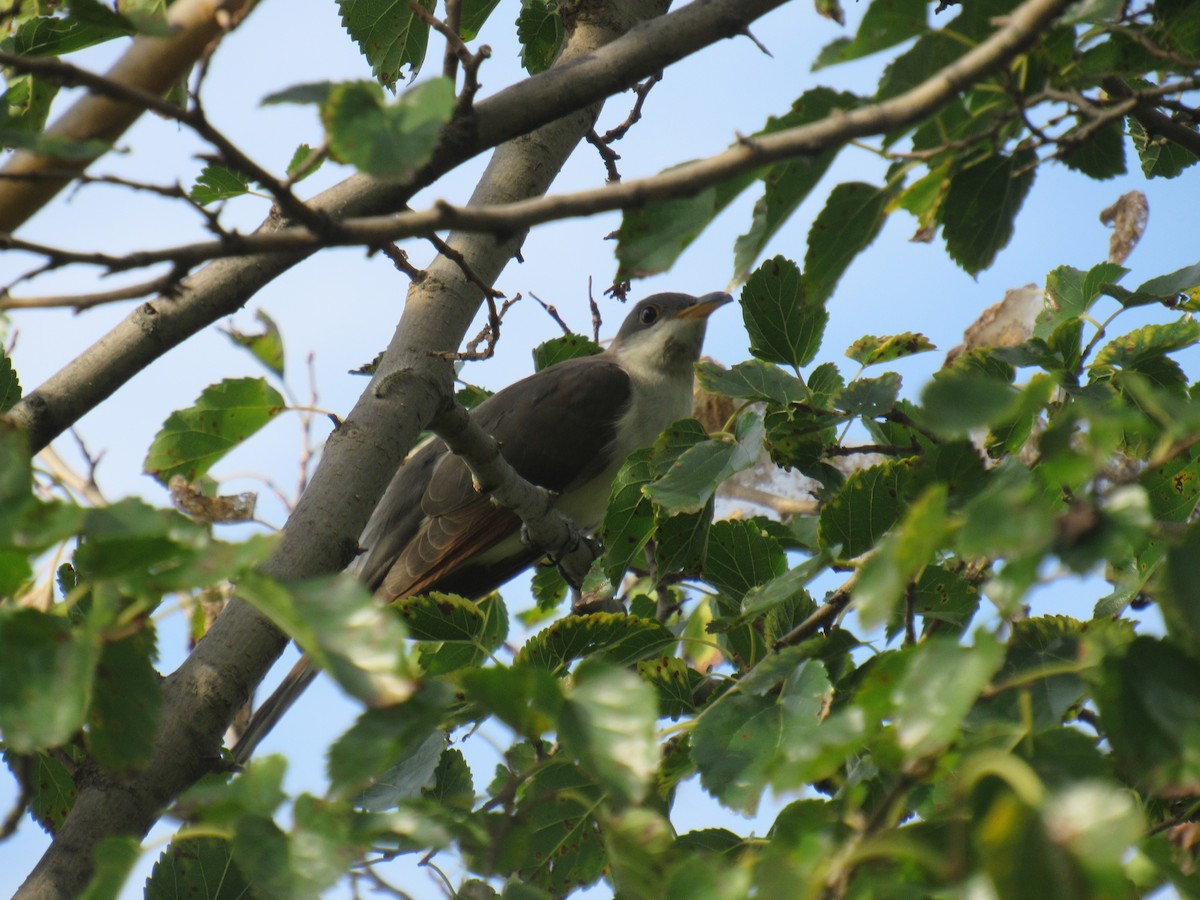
649	315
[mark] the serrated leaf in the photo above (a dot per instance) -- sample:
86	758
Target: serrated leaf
1150	340
864	509
752	380
474	14
540	31
225	414
462	632
675	683
408	776
700	470
607	723
870	350
849	222
1101	155
452	785
980	206
10	384
526	698
298	166
560	349
785	325
216	182
387	140
617	638
389	35
1071	293
741	556
629	517
201	867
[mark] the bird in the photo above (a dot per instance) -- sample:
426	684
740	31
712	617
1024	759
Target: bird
568	428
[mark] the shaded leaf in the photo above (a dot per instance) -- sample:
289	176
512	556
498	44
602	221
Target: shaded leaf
741	556
751	380
617	638
870	350
216	182
700	470
266	346
389	35
560	349
980	206
540	31
201	867
868	505
851	219
884	24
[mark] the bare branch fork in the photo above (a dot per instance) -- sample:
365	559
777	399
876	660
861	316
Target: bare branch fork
683	181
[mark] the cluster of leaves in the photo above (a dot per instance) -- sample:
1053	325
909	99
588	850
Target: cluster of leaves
968	168
982	737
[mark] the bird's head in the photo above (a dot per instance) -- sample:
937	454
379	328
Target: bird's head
664	332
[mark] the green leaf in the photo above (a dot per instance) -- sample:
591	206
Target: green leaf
474	14
46	673
785	324
201	867
1101	155
540	31
338	623
607	723
225	414
10	384
652	237
560	349
299	166
526	698
452	784
389	35
786	184
113	859
1160	156
463	632
217	182
1148	341
50	783
617	638
387	140
885	24
266	346
405	738
940	685
870	350
1072	292
752	380
869	503
1149	699
869	396
741	556
902	556
850	221
697	474
124	713
980	206
941	595
956	402
629	518
674	682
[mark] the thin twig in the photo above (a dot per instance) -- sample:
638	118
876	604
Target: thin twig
552	312
399	259
164	284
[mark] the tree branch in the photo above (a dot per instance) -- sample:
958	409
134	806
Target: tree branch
1021	28
222	288
152	65
409	389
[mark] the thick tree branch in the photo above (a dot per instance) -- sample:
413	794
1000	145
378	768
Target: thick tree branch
1020	30
223	287
152	65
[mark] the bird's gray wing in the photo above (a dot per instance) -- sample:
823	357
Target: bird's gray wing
432	526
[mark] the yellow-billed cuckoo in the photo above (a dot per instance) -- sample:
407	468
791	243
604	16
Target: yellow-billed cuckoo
568	429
